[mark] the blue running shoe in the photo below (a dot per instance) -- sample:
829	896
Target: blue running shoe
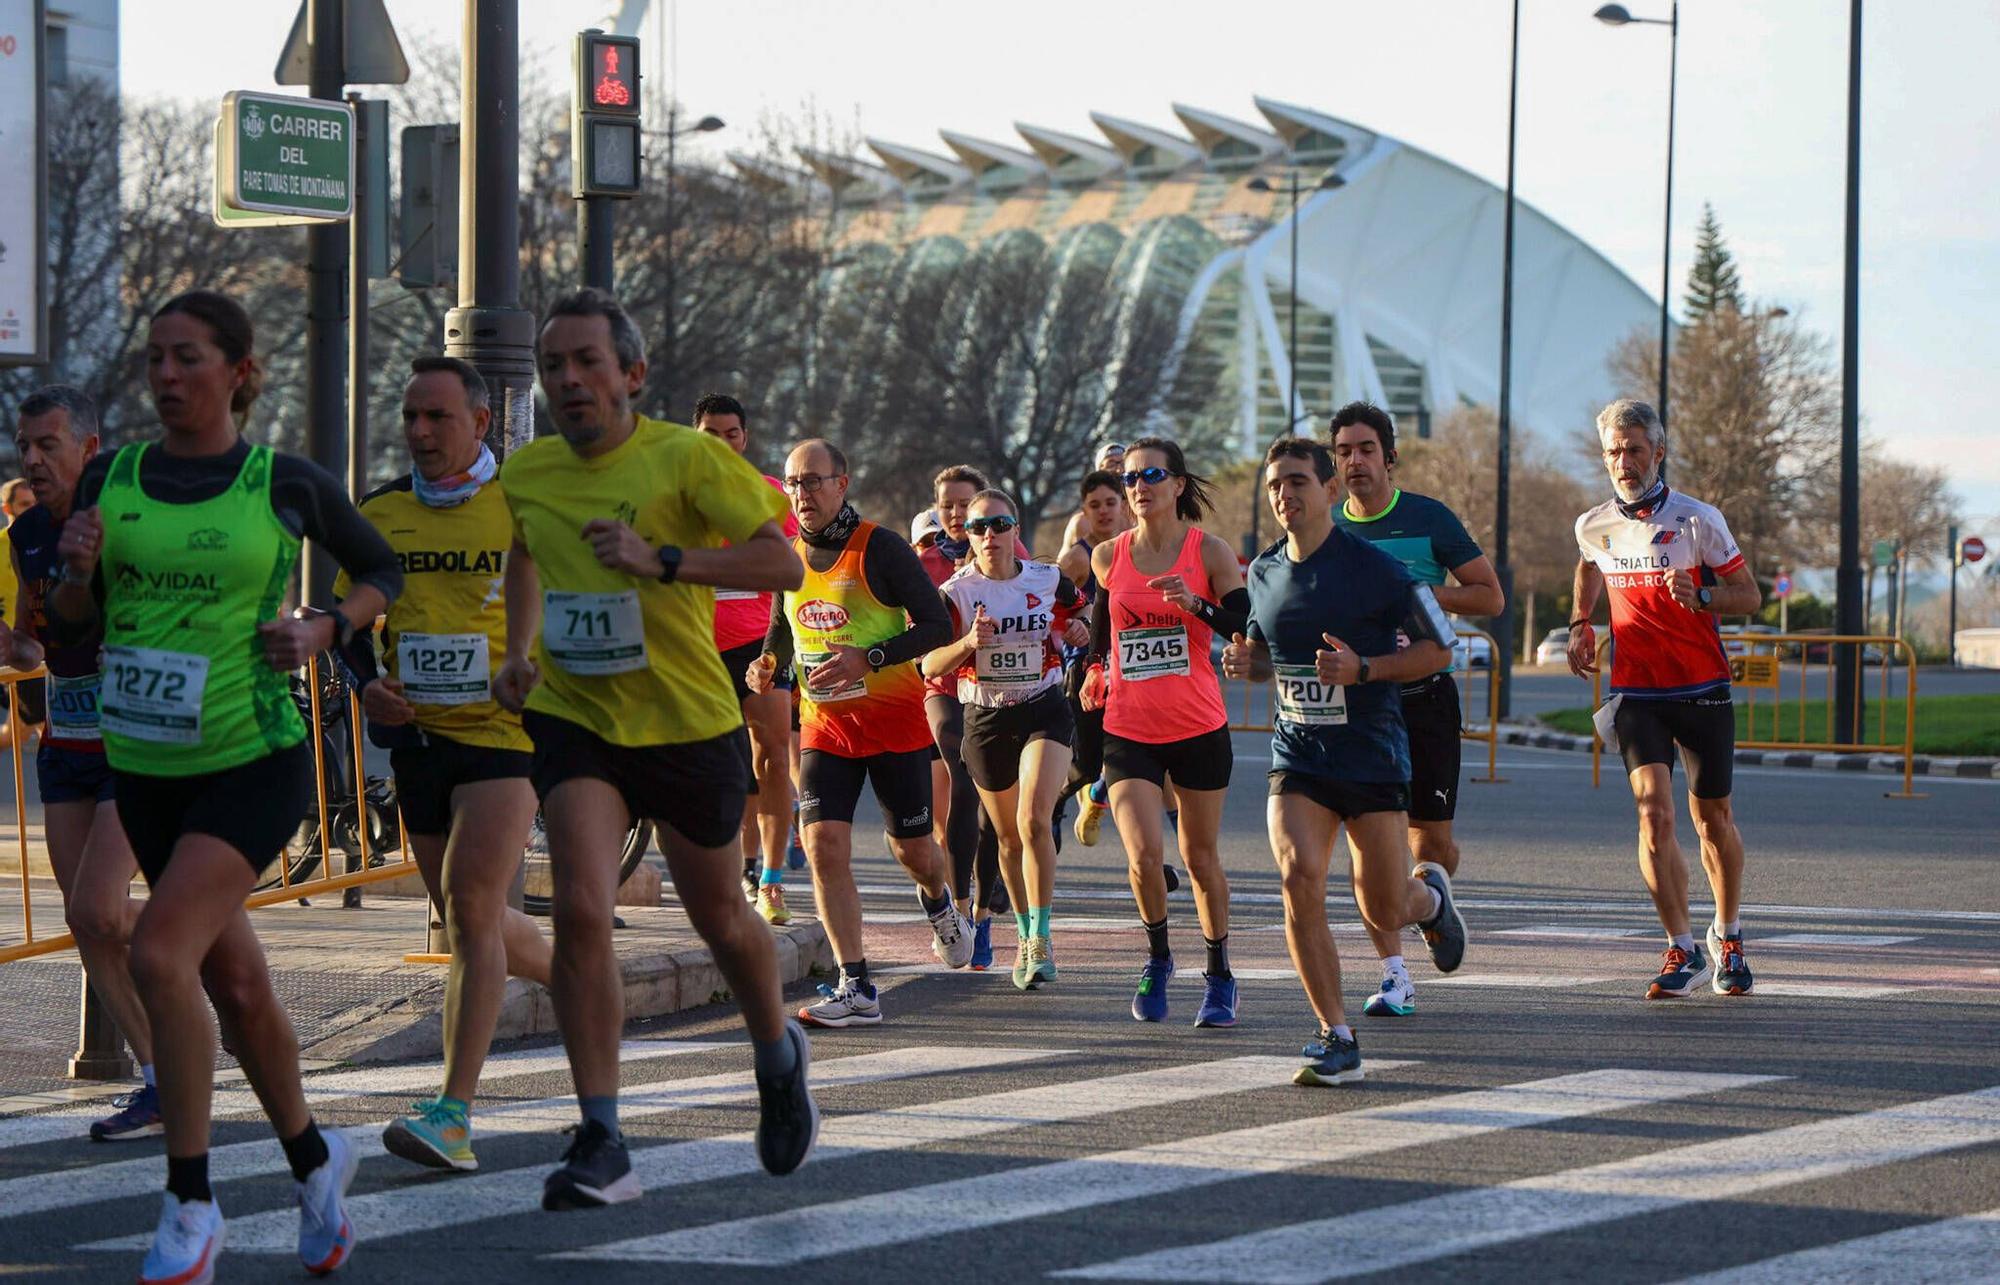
326	1237
1330	1060
137	1116
1732	975
1149	1002
1444	932
185	1243
1680	972
1218	1001
982	945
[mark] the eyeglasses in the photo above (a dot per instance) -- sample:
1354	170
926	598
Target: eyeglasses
805	485
1150	476
999	524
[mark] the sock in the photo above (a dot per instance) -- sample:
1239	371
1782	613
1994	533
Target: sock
775	1058
304	1153
1734	928
1174	820
1038	920
1437	903
1393	965
1100	793
857	973
1343	1032
146	1074
187	1177
770	877
1024	925
1218	956
1685	941
1156	939
934	906
604	1110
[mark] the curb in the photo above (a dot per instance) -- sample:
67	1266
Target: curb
412	1025
1921	765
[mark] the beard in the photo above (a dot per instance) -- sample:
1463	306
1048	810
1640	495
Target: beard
580	435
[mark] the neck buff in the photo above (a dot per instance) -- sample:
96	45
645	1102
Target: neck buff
835	533
953	550
1646	503
457	488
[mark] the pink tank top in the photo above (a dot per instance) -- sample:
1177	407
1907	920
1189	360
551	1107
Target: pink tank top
1163	685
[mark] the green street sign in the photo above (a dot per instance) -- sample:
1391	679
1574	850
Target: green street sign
1885	552
226	217
281	155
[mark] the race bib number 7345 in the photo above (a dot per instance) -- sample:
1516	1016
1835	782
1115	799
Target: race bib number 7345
1152	653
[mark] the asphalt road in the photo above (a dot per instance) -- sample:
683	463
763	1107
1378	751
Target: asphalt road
1535	1120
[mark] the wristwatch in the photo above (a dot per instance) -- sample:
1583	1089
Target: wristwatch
877	658
670	562
1362	677
1704	596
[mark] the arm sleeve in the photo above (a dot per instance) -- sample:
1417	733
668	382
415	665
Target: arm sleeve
778	637
91	483
1069	601
330	520
1451	544
1100	625
896	576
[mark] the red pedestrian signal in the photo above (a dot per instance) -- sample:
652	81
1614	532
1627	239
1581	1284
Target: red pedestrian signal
610	86
607	74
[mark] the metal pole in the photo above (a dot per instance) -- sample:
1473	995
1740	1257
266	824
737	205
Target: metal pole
1503	624
1292	317
1847	706
357	317
100	1049
326	268
1667	247
1951	619
595	226
667	345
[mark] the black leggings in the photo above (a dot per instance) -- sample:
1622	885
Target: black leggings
969	835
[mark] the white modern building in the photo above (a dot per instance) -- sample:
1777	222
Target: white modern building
82	40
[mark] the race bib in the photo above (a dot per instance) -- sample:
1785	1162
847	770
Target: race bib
811	660
1152	653
153	695
1306	700
1008	668
594	633
73	707
443	669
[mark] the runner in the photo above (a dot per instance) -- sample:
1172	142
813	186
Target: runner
1671	567
1017	724
741	616
180	551
56	435
461	762
616	524
1103	516
852	633
16	498
1433	546
1164	587
1326	611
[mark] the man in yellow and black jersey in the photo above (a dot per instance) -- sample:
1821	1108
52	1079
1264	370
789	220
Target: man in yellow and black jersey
462	763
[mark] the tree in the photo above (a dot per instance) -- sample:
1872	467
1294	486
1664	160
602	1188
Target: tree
1712	281
1909	504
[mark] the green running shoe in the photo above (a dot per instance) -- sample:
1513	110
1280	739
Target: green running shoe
438	1136
1041	960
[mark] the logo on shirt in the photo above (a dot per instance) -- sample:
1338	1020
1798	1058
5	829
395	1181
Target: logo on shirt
821	616
1034	600
208	540
1664	537
481	562
128	517
1607	542
626	513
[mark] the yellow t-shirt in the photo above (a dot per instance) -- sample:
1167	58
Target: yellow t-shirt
633	660
448	632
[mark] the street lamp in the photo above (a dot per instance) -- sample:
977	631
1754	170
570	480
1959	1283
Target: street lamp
1616	15
706	125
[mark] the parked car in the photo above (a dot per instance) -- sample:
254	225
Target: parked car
1474	652
1554	647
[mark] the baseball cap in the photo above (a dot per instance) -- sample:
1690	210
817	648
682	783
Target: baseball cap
924	524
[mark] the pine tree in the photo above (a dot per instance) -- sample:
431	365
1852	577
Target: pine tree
1712	281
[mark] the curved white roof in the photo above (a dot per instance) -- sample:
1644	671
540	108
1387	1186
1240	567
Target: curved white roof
1129	136
1056	148
981	155
910	163
842	173
1211	131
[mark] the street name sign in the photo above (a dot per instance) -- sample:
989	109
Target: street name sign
227	217
282	155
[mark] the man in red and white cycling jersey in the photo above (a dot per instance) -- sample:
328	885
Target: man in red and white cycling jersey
1671	567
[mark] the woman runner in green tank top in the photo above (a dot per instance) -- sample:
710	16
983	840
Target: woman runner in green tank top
185	549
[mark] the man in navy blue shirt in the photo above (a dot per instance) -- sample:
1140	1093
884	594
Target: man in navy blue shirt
1325	608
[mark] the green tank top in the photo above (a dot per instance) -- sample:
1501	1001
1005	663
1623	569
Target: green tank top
186	686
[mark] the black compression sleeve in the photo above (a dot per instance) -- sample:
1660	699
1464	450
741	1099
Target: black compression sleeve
1100	625
896	575
327	517
778	637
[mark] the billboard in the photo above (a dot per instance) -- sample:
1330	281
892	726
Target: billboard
23	205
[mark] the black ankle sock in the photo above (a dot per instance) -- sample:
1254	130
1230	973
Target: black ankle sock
1218	956
187	1177
1156	939
856	972
935	906
304	1153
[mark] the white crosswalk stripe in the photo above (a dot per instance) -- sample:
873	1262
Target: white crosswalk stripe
1423	1231
1947	1252
899	1217
493	1194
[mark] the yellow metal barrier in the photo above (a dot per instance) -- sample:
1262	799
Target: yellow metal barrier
1759	672
29	943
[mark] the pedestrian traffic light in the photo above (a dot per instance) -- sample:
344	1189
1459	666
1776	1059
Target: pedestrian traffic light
608	74
604	124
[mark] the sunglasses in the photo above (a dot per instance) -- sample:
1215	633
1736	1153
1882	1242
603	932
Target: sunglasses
1150	476
999	525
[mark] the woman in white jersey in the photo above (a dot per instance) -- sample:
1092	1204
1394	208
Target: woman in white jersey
1013	615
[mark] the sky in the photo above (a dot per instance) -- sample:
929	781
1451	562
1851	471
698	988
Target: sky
1760	125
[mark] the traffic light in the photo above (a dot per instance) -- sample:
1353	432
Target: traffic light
604	125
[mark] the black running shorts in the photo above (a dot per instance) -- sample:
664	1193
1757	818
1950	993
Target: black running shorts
1430	712
996	736
698	787
255	808
830	789
1197	763
427	774
1704	729
1345	799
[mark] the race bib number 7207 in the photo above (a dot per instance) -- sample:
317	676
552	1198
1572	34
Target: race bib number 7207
1305	699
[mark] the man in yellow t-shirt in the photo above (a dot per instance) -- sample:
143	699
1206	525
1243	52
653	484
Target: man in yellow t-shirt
622	526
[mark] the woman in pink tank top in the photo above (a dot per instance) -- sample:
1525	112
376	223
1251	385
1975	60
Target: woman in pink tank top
1166	587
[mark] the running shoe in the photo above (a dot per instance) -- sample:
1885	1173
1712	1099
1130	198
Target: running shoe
137	1116
1218	1002
1090	820
850	1005
788	1118
1396	998
326	1237
1444	932
952	933
1680	972
982	945
438	1136
771	904
596	1170
1173	878
1043	956
751	872
1732	975
185	1243
1149	1002
1024	967
1329	1060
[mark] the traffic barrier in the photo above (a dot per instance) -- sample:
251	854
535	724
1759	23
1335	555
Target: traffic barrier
1763	671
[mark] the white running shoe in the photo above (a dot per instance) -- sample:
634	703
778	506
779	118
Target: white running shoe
185	1244
1396	998
326	1237
953	932
850	1005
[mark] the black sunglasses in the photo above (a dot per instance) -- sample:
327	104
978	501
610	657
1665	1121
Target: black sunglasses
1150	476
1000	524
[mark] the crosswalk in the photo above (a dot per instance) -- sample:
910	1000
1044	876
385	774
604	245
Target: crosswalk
963	1106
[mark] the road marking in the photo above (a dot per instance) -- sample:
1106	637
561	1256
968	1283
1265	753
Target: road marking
1573	930
279	1229
1538	981
1830	990
1830	939
993	1199
1461	1222
1945	1252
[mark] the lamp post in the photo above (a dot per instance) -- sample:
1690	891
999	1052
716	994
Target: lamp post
1503	624
1848	706
674	133
1616	15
